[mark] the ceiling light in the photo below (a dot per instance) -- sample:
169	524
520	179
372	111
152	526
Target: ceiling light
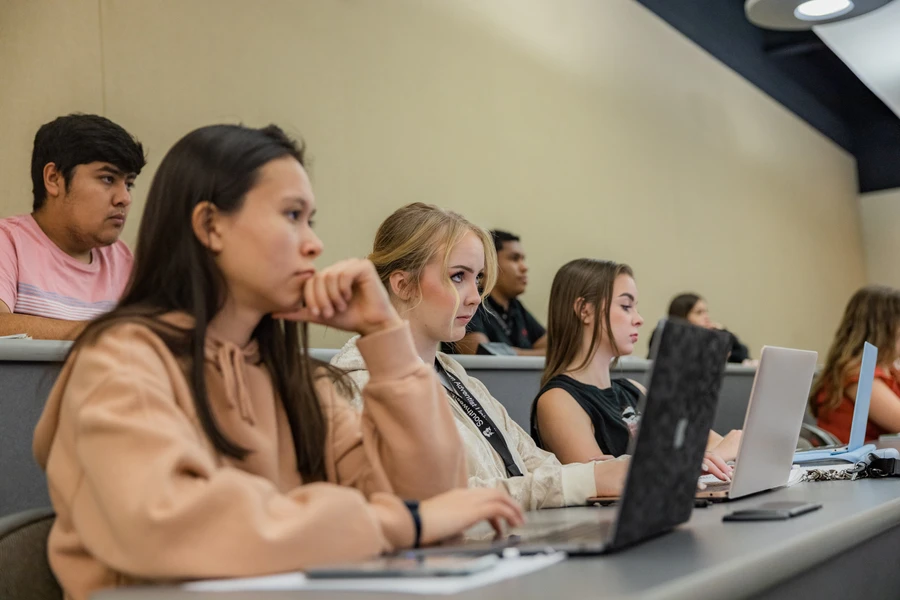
817	10
788	15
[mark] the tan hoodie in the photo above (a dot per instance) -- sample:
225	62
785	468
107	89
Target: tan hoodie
141	495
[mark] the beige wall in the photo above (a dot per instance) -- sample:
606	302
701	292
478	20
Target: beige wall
590	128
880	213
38	83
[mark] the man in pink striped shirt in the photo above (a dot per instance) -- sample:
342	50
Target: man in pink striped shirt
64	264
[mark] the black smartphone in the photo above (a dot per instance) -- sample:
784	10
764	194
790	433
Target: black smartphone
772	511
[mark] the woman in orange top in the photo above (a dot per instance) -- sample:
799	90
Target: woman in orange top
872	315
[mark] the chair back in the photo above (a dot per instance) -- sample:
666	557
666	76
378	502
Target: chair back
24	570
815	437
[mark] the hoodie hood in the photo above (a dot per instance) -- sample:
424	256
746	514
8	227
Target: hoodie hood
230	360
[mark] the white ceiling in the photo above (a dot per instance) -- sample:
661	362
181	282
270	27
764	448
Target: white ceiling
870	46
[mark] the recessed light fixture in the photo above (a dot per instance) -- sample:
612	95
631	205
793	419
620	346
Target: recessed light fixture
818	10
805	14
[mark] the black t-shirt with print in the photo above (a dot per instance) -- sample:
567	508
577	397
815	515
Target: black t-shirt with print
613	411
514	326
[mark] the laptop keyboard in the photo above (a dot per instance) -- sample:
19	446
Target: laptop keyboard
717	486
549	533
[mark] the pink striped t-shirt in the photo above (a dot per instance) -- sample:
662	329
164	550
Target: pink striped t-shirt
39	279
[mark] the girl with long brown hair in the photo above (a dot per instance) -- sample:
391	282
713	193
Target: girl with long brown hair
190	435
581	411
437	267
872	315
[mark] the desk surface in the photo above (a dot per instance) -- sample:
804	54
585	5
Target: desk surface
705	558
34	350
56	351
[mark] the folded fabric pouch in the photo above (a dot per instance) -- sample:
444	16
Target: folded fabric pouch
883	462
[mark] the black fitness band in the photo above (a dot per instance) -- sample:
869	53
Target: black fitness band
413	507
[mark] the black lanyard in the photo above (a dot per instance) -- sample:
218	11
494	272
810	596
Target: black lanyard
503	320
483	422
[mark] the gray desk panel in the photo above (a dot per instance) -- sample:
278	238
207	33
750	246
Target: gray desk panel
515	381
24	387
495	363
34	350
734	397
706	558
56	351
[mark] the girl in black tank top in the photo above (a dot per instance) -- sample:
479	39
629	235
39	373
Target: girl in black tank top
613	411
592	322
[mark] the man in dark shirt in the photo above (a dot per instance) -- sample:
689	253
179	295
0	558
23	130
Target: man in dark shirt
502	318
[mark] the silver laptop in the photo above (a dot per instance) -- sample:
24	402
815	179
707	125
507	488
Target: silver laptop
771	426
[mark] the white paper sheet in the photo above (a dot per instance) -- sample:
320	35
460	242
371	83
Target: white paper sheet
505	569
796	477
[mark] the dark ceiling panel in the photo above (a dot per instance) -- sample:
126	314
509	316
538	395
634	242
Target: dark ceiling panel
798	70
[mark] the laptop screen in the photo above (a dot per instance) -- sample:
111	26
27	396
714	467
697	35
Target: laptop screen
863	395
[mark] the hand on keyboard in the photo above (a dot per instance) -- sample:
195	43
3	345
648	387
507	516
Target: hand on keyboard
709	480
714	465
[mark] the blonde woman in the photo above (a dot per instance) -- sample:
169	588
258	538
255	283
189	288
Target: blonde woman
872	315
432	262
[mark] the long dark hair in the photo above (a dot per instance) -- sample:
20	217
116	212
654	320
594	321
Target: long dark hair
682	304
174	272
583	280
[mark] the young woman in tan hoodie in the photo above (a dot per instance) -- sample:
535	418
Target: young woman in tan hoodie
189	434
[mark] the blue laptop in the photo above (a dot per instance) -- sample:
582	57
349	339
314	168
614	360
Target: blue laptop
857	448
